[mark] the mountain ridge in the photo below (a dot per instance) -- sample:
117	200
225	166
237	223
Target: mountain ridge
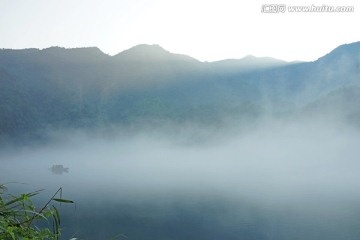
156	48
84	87
137	49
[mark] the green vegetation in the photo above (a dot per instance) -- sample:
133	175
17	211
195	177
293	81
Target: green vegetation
57	88
20	219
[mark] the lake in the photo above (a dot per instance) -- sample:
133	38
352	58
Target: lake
274	183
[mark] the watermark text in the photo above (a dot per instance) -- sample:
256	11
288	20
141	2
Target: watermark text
282	8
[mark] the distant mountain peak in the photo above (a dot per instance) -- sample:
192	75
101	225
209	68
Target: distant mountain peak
249	62
350	49
262	59
250	57
56	49
147	47
83	54
144	50
153	52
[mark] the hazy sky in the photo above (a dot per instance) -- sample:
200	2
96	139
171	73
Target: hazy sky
205	29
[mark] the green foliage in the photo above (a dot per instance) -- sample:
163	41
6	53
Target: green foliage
19	218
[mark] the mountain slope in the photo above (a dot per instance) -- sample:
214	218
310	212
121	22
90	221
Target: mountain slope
342	104
248	63
84	87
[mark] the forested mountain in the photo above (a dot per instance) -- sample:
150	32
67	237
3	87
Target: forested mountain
341	104
83	87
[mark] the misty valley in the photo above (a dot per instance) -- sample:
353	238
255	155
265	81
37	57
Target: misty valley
155	145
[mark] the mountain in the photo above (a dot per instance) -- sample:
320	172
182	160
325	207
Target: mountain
248	63
83	87
302	83
146	65
151	53
342	104
340	67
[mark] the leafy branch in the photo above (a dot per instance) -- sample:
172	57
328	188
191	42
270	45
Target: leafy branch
18	216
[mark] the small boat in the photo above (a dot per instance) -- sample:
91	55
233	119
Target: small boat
59	169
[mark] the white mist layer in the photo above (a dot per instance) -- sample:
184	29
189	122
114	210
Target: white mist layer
277	164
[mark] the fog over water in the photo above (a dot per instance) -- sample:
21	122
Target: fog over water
277	181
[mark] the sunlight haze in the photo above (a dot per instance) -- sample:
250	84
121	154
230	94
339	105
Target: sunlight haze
179	119
205	30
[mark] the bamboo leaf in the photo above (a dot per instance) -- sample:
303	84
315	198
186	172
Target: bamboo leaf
57	214
62	200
